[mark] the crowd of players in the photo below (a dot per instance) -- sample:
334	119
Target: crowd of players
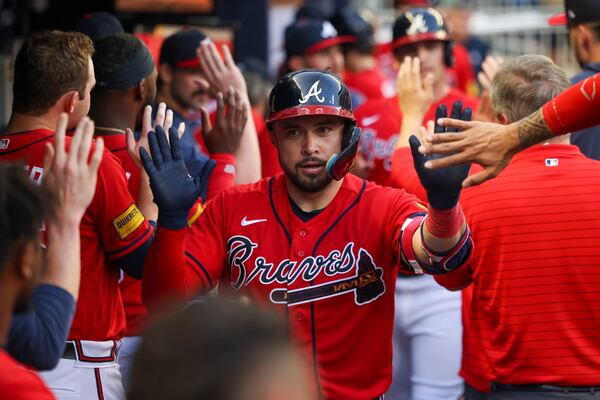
163	181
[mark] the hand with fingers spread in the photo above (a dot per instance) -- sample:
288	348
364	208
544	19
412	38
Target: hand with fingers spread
175	191
225	136
163	118
487	144
443	186
221	73
72	175
415	95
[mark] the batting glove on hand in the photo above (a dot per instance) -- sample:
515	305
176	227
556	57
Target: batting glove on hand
174	190
443	185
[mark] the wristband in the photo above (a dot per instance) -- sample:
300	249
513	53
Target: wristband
444	224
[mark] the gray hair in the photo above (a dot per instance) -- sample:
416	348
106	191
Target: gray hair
524	84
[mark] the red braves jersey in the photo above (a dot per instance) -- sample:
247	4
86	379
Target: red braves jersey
535	272
136	314
131	288
19	383
111	228
380	121
332	277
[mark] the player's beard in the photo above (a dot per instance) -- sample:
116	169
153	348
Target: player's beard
308	183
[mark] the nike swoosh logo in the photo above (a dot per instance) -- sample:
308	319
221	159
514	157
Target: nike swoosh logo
246	222
366	121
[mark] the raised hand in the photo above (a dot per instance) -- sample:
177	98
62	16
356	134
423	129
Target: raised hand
72	175
490	67
163	118
175	191
220	73
226	135
443	185
415	95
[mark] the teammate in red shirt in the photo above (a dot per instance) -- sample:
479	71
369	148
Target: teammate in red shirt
536	330
58	205
116	105
419	32
321	248
362	74
114	232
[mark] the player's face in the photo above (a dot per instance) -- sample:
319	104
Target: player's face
189	88
431	55
304	145
83	105
330	58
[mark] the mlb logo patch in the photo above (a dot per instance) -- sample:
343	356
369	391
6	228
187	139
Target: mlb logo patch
4	144
551	162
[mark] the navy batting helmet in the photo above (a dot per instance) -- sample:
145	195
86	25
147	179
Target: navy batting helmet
419	25
316	92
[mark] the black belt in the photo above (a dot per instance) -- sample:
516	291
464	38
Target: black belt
499	387
69	352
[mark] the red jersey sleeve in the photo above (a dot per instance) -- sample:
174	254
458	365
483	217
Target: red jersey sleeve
222	176
574	109
183	262
404	212
120	225
404	175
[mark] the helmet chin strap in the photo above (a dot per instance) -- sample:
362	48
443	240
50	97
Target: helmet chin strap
338	165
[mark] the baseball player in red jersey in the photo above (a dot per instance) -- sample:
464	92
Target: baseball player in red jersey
421	33
320	247
362	74
122	91
533	312
114	232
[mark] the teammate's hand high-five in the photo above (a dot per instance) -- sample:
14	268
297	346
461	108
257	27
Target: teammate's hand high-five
444	185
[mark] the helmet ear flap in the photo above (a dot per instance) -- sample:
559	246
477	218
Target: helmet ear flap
449	54
339	164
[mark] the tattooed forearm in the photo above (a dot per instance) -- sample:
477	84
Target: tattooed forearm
533	130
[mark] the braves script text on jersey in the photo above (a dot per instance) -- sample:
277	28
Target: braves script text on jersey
332	277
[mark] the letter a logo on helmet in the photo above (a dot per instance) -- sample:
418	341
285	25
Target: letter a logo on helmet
314	91
417	24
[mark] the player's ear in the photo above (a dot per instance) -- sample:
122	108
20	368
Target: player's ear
70	101
502	119
295	63
166	73
141	90
26	260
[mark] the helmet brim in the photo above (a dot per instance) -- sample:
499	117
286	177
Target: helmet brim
420	37
300	111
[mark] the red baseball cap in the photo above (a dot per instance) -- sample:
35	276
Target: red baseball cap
577	12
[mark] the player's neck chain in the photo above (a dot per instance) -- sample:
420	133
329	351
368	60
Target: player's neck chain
103	131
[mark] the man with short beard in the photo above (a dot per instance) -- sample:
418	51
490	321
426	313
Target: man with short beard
320	247
191	75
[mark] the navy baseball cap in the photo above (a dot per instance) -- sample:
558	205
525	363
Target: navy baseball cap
179	49
311	35
577	12
98	25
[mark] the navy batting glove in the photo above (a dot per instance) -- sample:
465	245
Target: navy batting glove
174	190
443	185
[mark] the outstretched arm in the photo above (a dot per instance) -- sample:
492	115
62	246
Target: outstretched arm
441	242
221	75
493	145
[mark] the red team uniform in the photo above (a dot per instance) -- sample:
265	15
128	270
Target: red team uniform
112	227
19	383
380	121
305	270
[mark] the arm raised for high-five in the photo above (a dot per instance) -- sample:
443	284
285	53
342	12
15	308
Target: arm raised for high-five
222	73
493	145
